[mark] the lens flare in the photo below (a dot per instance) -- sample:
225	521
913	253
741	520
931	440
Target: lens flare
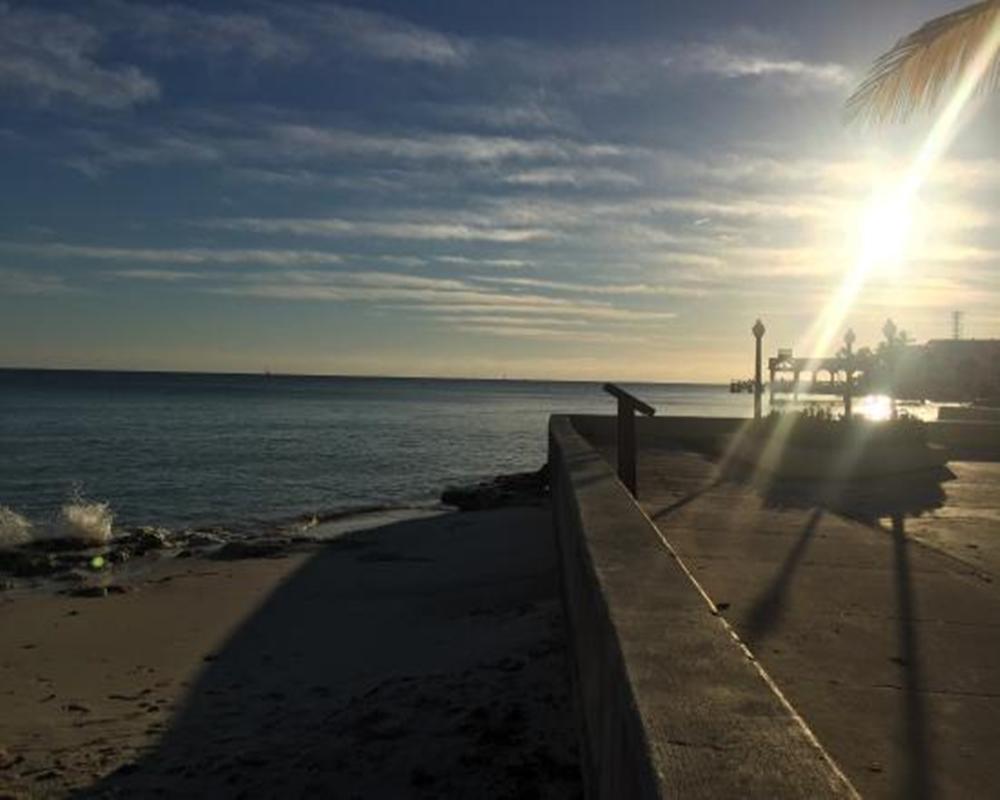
885	231
886	228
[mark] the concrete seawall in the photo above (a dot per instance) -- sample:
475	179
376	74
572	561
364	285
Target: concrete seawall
670	703
962	439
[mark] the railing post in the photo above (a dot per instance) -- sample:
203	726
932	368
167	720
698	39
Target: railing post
626	445
627	406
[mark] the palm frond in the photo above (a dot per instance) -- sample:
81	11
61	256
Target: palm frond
914	72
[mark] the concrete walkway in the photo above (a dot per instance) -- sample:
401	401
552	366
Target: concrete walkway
884	635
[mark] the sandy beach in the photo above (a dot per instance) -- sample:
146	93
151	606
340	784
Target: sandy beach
422	658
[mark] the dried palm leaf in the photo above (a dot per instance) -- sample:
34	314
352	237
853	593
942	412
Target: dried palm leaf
914	72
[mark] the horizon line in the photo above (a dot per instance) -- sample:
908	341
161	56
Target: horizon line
269	374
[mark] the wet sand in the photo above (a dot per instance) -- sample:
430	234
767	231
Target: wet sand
424	658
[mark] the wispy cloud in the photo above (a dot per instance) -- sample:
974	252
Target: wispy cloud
190	255
571	176
721	61
310	141
604	289
337	227
24	282
373	34
260	149
156	275
47	57
169	29
445	299
503	263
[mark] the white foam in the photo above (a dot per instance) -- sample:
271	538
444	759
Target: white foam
84	520
14	528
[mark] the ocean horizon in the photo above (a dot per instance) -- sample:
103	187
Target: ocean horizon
236	451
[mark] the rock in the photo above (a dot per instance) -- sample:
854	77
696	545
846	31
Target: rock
149	539
202	539
8	759
96	591
139	542
252	548
518	489
26	564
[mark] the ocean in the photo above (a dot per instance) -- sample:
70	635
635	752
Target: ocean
173	450
120	450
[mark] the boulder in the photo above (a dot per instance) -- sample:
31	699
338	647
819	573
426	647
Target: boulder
518	489
23	563
252	548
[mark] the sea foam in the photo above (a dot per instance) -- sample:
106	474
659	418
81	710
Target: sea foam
85	521
14	529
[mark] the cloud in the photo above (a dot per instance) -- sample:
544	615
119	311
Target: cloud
190	255
172	30
536	333
158	275
719	60
53	56
436	296
375	35
597	288
298	142
503	263
23	282
429	230
256	148
106	152
571	176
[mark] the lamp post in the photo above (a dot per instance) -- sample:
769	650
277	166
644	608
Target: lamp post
849	342
758	332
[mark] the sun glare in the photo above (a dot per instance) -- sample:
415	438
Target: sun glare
876	407
885	227
886	223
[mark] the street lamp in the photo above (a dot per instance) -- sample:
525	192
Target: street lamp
758	332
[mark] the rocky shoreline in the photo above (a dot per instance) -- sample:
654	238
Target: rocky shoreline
503	491
89	569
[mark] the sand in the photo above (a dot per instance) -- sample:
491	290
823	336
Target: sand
423	658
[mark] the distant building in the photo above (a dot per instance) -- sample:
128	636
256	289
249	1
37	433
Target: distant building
960	369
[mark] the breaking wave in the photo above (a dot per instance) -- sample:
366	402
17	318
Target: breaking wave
14	528
86	521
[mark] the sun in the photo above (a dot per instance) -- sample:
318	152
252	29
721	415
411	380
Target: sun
884	234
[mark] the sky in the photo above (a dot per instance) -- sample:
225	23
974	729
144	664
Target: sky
571	190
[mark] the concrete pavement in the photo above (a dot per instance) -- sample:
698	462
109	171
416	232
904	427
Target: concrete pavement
884	633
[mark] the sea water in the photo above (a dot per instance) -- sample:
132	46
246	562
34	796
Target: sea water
83	452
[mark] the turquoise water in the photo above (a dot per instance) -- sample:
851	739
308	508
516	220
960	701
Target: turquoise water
182	450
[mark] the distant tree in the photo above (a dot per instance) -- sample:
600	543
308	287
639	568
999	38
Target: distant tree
914	72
